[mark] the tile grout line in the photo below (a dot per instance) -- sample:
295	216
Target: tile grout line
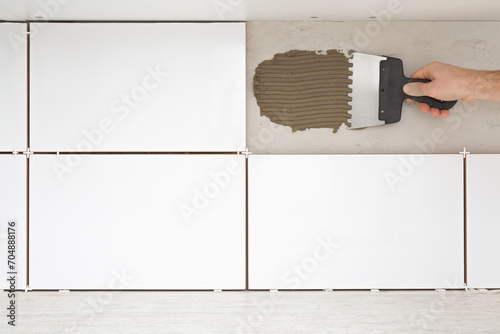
465	219
27	157
134	152
415	290
246	170
28	74
27	222
120	21
246	225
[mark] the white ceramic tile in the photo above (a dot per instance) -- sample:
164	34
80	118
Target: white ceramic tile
278	10
13	85
354	222
13	209
483	220
138	87
163	221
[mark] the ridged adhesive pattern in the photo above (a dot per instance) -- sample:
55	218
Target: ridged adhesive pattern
305	89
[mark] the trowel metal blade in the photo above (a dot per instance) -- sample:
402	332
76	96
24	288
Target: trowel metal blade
365	90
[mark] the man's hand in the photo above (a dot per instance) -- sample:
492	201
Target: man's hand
450	82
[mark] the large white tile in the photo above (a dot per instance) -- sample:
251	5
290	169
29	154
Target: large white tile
353	222
138	87
128	213
254	10
13	209
13	87
483	221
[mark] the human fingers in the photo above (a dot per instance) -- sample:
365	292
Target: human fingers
424	107
422	73
435	112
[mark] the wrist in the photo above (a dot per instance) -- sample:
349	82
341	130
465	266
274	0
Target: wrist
486	86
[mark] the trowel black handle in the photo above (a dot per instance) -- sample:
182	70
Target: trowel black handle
391	94
432	102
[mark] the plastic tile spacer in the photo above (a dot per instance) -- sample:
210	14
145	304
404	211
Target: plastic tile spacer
464	152
245	152
374	290
28	153
27	289
217	290
64	290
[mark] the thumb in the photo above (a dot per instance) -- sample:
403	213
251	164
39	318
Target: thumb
416	89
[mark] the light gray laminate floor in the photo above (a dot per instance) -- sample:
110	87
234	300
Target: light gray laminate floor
318	312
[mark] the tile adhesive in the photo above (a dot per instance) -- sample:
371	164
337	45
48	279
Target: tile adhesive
305	89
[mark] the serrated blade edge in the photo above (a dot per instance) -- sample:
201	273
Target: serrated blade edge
365	90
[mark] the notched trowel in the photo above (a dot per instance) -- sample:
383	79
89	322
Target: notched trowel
377	91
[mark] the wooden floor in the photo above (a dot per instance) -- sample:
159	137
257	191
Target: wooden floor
256	312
